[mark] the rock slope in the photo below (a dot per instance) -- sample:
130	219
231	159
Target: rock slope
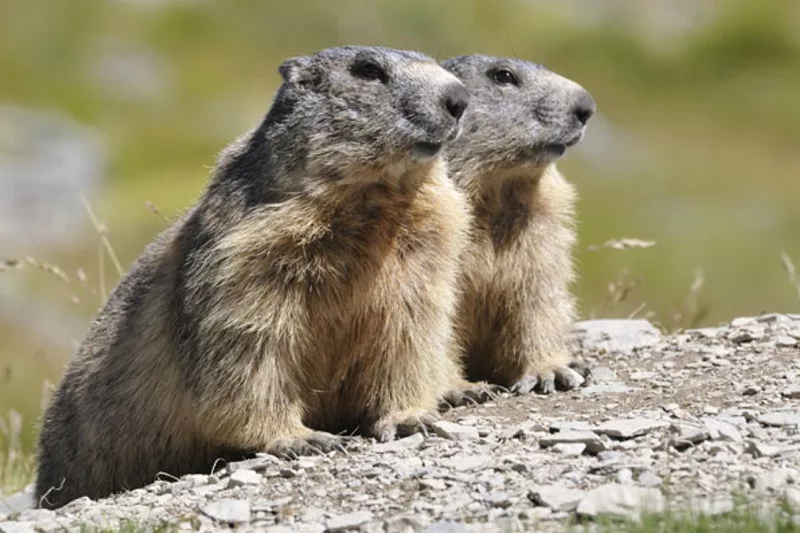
691	421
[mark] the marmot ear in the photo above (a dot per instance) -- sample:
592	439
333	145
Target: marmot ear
295	70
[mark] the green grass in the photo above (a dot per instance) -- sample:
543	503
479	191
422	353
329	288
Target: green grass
744	519
16	466
130	526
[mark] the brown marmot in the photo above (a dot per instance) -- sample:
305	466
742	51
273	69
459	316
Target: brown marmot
516	307
310	291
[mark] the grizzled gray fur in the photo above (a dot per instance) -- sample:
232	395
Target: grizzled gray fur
308	292
516	307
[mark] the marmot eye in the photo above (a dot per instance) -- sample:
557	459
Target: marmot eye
369	71
503	76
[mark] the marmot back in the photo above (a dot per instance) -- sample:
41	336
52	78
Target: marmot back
516	305
310	291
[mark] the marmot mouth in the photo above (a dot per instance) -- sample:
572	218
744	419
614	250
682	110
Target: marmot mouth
424	150
555	149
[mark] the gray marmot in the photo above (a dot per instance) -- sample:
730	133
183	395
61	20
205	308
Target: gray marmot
516	306
309	292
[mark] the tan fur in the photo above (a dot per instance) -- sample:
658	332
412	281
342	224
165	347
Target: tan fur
309	293
516	305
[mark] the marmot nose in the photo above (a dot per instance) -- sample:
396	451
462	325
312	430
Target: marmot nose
455	100
584	107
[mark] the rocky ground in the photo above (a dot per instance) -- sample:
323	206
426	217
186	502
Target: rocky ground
692	421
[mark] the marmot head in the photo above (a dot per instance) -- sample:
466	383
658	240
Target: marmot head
520	114
343	111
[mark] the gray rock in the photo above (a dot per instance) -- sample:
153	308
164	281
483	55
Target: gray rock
449	430
761	449
615	387
347	521
556	497
624	476
17	527
594	444
569	450
620	501
16	503
780	418
688	436
719	429
403	524
408	443
610	455
244	477
464	463
258	463
446	527
567	425
616	335
792	392
497	499
629	428
774	479
785	341
228	510
649	479
603	374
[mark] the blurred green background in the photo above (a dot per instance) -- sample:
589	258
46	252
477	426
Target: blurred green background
695	147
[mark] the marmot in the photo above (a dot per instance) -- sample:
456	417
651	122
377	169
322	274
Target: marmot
516	306
310	290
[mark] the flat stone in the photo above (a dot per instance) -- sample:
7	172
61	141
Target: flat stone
258	463
242	478
688	436
780	418
228	510
624	476
721	430
594	444
616	334
760	449
446	527
774	479
792	392
556	497
785	341
620	501
464	463
649	479
17	502
17	527
616	387
603	374
567	425
569	450
643	376
347	521
452	431
743	321
411	442
629	428
610	456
